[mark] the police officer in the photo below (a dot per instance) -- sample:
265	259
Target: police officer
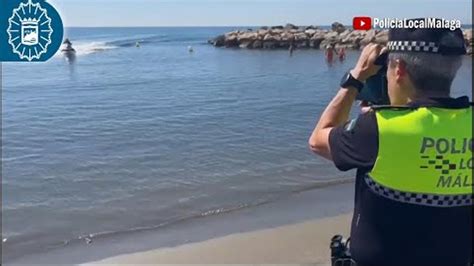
413	199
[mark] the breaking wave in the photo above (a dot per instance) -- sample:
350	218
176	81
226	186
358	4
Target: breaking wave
86	48
92	47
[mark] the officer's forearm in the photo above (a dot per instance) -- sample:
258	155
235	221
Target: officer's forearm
338	110
335	114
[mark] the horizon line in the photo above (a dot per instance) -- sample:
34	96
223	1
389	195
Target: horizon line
210	26
190	26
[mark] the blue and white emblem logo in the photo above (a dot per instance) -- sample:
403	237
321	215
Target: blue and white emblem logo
29	31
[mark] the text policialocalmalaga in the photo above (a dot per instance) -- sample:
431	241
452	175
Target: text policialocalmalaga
426	23
452	158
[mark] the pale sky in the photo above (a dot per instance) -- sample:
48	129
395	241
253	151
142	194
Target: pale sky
95	13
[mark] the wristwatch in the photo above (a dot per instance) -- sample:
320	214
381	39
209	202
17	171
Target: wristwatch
349	81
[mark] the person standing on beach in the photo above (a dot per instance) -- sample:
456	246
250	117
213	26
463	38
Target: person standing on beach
413	190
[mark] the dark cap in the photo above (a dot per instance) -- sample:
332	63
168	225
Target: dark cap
426	38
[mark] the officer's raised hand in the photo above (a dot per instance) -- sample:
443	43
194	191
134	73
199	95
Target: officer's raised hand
366	67
337	112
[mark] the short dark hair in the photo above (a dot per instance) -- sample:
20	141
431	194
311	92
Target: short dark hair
430	73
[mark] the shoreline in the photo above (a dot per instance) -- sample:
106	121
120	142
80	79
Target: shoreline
302	243
298	208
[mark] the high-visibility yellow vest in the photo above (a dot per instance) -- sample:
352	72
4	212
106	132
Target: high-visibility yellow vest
424	156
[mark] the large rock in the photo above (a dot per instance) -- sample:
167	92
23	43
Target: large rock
219	41
287	37
270	45
347	46
271	38
311	27
319	34
349	39
344	35
315	43
236	32
338	27
301	36
382	37
262	33
368	38
247	36
276	31
310	32
231	41
469	41
257	44
325	43
331	36
290	26
468	36
357	33
246	44
302	44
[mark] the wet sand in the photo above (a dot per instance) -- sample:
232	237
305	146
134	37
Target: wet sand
302	243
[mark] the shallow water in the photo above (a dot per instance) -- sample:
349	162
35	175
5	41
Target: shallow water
128	138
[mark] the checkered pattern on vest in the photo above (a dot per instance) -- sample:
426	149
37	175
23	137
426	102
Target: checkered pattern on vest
432	200
416	46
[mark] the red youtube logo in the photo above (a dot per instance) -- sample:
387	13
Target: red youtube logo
362	23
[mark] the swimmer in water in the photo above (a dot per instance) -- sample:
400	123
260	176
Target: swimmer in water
292	47
329	53
342	54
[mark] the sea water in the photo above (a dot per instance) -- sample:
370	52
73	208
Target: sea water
129	138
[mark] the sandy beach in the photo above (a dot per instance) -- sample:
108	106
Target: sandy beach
302	243
292	230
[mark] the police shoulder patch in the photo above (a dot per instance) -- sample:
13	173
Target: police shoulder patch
350	125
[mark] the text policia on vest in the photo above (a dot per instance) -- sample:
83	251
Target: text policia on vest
447	146
453	158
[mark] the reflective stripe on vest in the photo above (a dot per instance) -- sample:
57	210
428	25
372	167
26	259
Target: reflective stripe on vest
424	156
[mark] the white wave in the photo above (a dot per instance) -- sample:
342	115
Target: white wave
92	47
87	48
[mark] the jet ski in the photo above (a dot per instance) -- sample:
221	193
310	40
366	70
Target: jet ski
68	52
67	47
